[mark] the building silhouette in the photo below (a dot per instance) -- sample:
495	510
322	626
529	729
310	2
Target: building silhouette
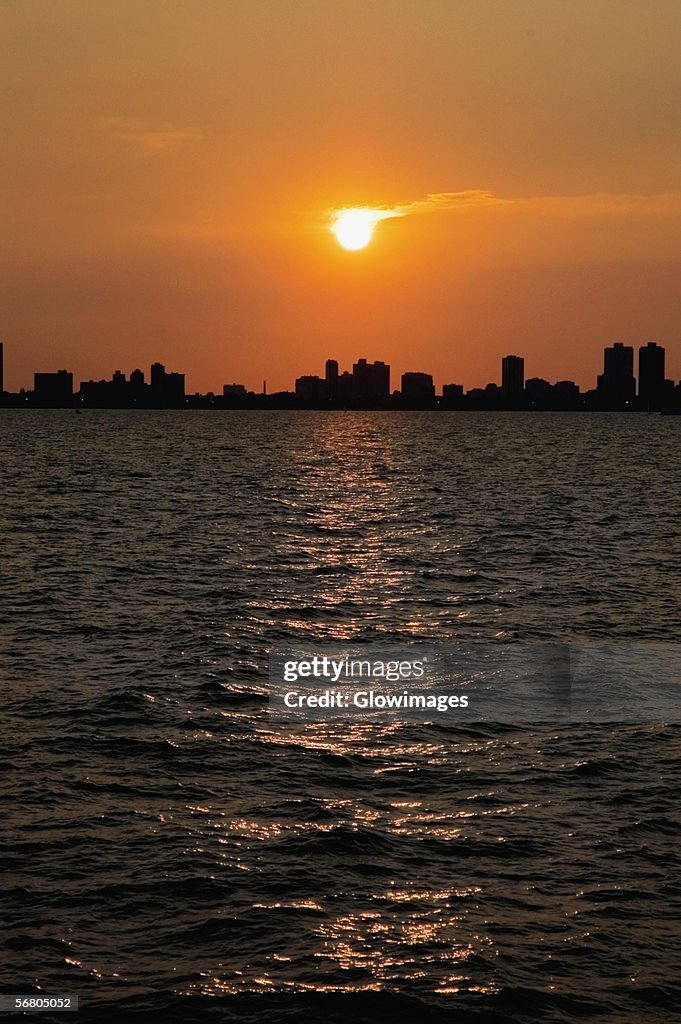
452	395
167	389
368	387
311	390
53	389
417	387
651	385
512	376
137	387
567	389
344	393
616	385
331	375
2	367
370	382
106	394
538	391
165	392
234	396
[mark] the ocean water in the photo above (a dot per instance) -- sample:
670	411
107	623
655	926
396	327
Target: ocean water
172	854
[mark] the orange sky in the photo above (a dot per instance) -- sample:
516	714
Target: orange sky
168	164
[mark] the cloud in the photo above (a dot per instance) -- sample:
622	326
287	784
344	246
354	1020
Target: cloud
597	205
439	201
435	202
149	139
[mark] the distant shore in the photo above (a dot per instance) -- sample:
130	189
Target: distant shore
291	404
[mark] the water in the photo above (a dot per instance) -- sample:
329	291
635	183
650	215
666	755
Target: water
172	855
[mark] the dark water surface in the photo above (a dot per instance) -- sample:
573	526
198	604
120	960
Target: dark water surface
171	854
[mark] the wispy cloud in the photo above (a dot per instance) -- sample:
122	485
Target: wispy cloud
596	205
439	201
149	139
434	202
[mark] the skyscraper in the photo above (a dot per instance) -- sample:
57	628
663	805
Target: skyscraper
53	389
617	384
157	376
370	382
2	367
417	387
167	389
332	379
651	374
310	388
512	376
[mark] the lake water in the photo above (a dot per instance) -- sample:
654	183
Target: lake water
173	854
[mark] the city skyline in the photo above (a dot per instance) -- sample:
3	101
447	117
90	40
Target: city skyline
254	379
623	384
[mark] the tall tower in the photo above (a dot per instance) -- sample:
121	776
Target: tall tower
158	376
512	376
370	382
617	383
651	374
332	378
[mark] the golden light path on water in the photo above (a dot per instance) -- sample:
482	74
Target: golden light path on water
344	521
403	930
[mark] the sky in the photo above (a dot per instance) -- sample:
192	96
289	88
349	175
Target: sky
169	166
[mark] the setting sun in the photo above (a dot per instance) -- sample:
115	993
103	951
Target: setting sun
354	227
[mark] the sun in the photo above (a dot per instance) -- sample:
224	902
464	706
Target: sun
354	227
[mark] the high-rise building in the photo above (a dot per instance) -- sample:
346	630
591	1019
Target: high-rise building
345	384
617	384
2	367
167	389
158	372
331	373
53	389
138	388
417	387
452	394
566	394
512	376
651	374
370	382
310	389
